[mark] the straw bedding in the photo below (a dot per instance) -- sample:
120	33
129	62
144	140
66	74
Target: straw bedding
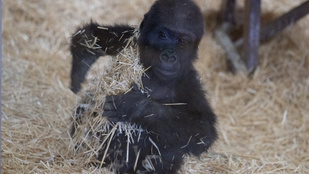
96	139
263	120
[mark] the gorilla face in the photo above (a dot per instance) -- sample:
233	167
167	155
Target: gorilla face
167	51
169	38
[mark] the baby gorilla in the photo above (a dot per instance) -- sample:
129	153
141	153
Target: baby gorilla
173	109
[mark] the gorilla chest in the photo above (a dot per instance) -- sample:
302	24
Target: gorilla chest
162	94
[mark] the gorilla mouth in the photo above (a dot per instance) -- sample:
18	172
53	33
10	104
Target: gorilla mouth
166	71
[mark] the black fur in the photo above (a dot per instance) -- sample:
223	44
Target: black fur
91	42
174	110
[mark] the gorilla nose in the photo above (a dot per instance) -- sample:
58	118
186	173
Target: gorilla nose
168	56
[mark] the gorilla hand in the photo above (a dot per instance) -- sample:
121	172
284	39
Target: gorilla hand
125	107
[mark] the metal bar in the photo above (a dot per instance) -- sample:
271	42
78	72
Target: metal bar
232	55
252	33
228	11
285	20
0	70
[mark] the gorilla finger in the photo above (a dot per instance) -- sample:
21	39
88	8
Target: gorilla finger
109	114
109	106
113	98
109	99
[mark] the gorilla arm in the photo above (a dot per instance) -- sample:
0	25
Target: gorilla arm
91	42
189	127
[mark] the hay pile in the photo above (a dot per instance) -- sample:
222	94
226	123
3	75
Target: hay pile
263	120
92	134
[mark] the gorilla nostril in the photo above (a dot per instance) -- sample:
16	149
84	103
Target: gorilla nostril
172	59
164	57
168	59
168	56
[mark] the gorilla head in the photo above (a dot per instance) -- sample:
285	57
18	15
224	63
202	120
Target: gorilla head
169	38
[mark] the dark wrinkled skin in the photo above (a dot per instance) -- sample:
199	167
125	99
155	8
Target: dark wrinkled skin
173	107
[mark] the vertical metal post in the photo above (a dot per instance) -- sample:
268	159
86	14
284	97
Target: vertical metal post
0	72
252	33
228	11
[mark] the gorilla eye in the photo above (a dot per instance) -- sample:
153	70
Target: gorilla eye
182	41
162	35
